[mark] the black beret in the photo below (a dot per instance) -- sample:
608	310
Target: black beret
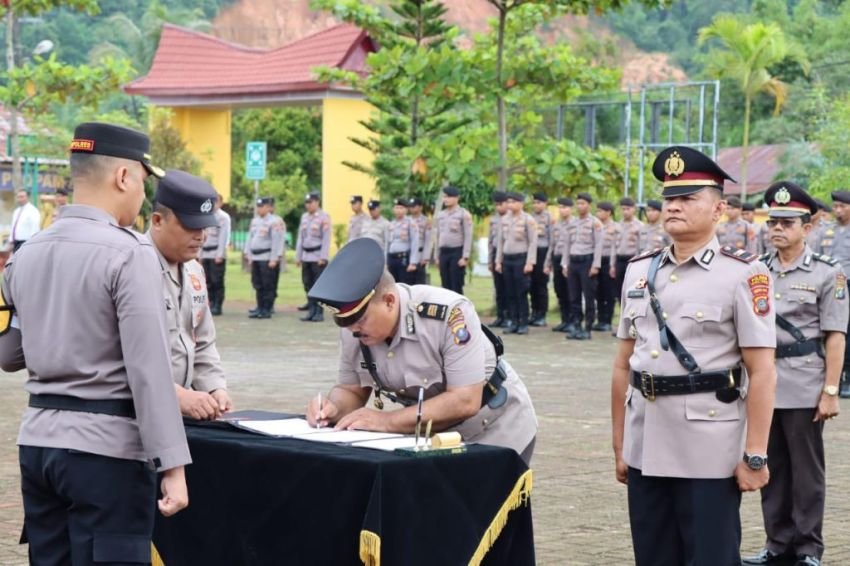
312	196
605	205
515	195
189	197
265	200
584	196
684	171
541	197
841	196
626	201
451	191
566	201
499	196
355	198
415	201
348	282
733	202
116	141
655	204
401	202
823	206
748	206
787	200
373	204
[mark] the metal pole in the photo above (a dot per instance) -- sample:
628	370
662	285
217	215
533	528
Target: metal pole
559	126
641	144
628	121
256	190
714	128
688	106
670	115
701	113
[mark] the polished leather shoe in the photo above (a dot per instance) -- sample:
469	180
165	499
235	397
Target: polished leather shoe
318	317
601	327
559	327
767	557
807	560
263	314
579	335
497	323
511	329
539	322
521	329
304	307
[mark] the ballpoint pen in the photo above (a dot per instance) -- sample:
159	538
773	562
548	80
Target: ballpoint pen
419	416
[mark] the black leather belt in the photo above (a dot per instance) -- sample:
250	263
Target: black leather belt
114	407
209	248
313	249
398	255
262	251
583	257
450	249
621	257
795	349
522	255
652	386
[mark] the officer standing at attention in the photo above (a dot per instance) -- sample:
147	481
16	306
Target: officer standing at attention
102	417
652	235
820	226
454	241
403	248
748	212
582	260
539	276
398	340
355	223
736	231
605	297
516	253
500	209
214	255
626	246
685	442
264	248
377	227
811	316
835	243
182	212
555	258
423	224
312	249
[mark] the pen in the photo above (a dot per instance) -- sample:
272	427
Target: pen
428	434
419	415
319	410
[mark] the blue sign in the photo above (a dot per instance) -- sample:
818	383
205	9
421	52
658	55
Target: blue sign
255	160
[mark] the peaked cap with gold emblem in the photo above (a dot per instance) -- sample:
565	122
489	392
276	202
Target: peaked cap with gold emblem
788	200
684	171
348	283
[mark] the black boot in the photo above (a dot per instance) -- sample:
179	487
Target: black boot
510	327
560	327
305	306
319	314
539	320
500	320
601	327
311	312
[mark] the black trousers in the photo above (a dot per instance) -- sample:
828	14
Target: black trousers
263	279
82	509
621	264
516	287
214	272
562	290
310	271
540	284
397	266
792	503
680	521
451	274
421	275
501	294
605	296
582	285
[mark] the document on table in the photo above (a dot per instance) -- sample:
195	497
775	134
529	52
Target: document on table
343	436
279	427
389	444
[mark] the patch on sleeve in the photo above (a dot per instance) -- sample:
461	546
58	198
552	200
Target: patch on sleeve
458	326
840	286
432	310
760	288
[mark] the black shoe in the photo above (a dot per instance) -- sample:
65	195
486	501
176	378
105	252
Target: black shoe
579	335
807	560
601	327
497	323
540	321
319	316
559	327
522	329
570	328
511	329
253	311
506	323
768	557
215	311
308	317
263	314
304	307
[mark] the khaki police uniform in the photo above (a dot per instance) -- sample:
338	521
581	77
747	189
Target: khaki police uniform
216	242
355	225
403	249
738	234
605	289
313	246
498	278
517	247
431	352
266	242
583	251
652	236
624	249
764	244
554	261
423	225
539	291
835	243
377	229
454	242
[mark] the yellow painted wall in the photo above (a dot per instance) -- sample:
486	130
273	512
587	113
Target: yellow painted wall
207	135
340	119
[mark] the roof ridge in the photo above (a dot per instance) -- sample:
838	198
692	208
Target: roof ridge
202	35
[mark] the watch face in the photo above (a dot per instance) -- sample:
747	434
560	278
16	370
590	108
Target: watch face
755	462
831	390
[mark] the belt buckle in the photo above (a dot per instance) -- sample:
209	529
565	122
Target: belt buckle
648	392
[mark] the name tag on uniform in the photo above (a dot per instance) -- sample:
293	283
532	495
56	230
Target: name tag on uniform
636	293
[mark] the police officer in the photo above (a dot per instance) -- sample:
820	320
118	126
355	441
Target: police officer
358	218
626	246
103	417
835	243
312	249
500	208
820	225
685	442
423	224
582	260
605	297
403	247
398	340
516	252
555	258
736	231
264	249
748	212
214	255
182	211
539	277
811	316
377	227
453	241
652	235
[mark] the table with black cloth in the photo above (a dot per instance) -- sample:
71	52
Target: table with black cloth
257	500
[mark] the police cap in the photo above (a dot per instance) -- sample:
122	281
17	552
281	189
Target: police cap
189	197
515	195
401	202
541	197
626	201
823	206
585	197
373	204
451	191
788	200
265	200
313	196
355	198
841	196
605	205
414	201
748	206
348	283
63	191
500	196
106	139
654	204
733	202
684	171
565	201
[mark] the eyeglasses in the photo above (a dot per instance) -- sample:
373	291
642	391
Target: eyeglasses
784	222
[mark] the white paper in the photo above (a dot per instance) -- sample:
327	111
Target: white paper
389	444
280	427
345	436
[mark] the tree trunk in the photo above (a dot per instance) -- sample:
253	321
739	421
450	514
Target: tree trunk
745	148
500	103
17	180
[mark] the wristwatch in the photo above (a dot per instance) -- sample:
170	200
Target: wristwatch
831	390
755	461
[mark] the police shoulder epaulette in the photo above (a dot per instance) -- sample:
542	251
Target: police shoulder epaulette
825	259
765	256
740	255
432	310
651	253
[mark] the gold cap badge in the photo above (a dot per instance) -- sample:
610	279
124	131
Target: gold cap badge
782	196
675	165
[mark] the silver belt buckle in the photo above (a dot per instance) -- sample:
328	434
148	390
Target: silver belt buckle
647	385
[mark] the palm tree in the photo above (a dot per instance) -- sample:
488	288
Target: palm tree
748	52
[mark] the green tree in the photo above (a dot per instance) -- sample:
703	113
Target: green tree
747	53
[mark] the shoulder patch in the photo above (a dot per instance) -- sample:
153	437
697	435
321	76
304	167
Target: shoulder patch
432	310
651	253
825	259
740	255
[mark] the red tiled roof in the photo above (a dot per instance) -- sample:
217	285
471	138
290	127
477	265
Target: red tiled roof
189	63
763	165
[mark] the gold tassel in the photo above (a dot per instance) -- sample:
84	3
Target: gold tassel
156	559
370	548
519	496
